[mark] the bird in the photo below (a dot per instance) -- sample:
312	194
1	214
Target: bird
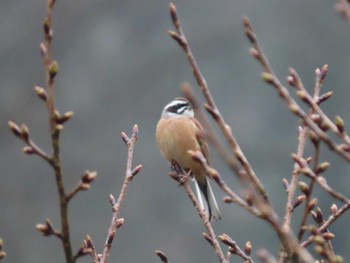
178	134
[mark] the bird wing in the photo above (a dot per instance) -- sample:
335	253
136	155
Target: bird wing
201	140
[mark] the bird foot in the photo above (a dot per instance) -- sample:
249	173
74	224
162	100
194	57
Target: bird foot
184	178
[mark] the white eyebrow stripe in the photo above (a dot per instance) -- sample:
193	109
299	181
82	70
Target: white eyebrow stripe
176	102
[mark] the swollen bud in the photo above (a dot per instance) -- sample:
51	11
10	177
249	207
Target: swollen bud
313	202
24	132
136	170
65	117
14	129
322	167
267	77
119	222
208	238
339	122
53	69
248	248
88	176
304	188
324	97
334	209
41	93
28	150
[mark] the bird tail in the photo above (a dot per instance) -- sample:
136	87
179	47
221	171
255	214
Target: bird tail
205	189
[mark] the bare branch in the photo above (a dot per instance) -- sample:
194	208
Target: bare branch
214	242
270	77
343	8
129	175
211	107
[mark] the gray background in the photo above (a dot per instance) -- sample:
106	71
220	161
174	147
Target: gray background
118	67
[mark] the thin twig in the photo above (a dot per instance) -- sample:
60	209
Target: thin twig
312	102
259	194
343	8
235	249
266	212
270	77
51	69
320	180
232	196
211	107
22	132
294	179
210	235
327	223
130	173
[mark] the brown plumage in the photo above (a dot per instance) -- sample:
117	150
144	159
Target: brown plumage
178	132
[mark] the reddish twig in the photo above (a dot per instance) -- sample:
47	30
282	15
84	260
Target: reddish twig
332	218
116	222
270	77
86	179
343	8
211	107
294	179
320	180
232	196
56	125
210	235
258	192
235	249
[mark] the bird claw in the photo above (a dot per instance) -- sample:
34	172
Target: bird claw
184	178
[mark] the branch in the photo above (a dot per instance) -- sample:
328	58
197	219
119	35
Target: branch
235	249
332	218
211	107
210	235
303	132
56	122
259	196
232	196
320	180
116	221
294	180
86	179
270	77
343	8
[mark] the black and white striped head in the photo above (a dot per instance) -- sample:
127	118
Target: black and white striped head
179	107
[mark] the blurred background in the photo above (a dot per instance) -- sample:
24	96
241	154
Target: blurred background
118	67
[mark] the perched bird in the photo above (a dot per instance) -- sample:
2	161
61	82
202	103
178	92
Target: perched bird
177	133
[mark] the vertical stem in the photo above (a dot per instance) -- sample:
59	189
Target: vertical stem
55	129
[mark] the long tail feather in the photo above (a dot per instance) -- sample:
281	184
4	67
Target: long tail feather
213	209
215	213
198	192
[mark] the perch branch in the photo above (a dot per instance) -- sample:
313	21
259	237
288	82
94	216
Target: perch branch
211	107
210	235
